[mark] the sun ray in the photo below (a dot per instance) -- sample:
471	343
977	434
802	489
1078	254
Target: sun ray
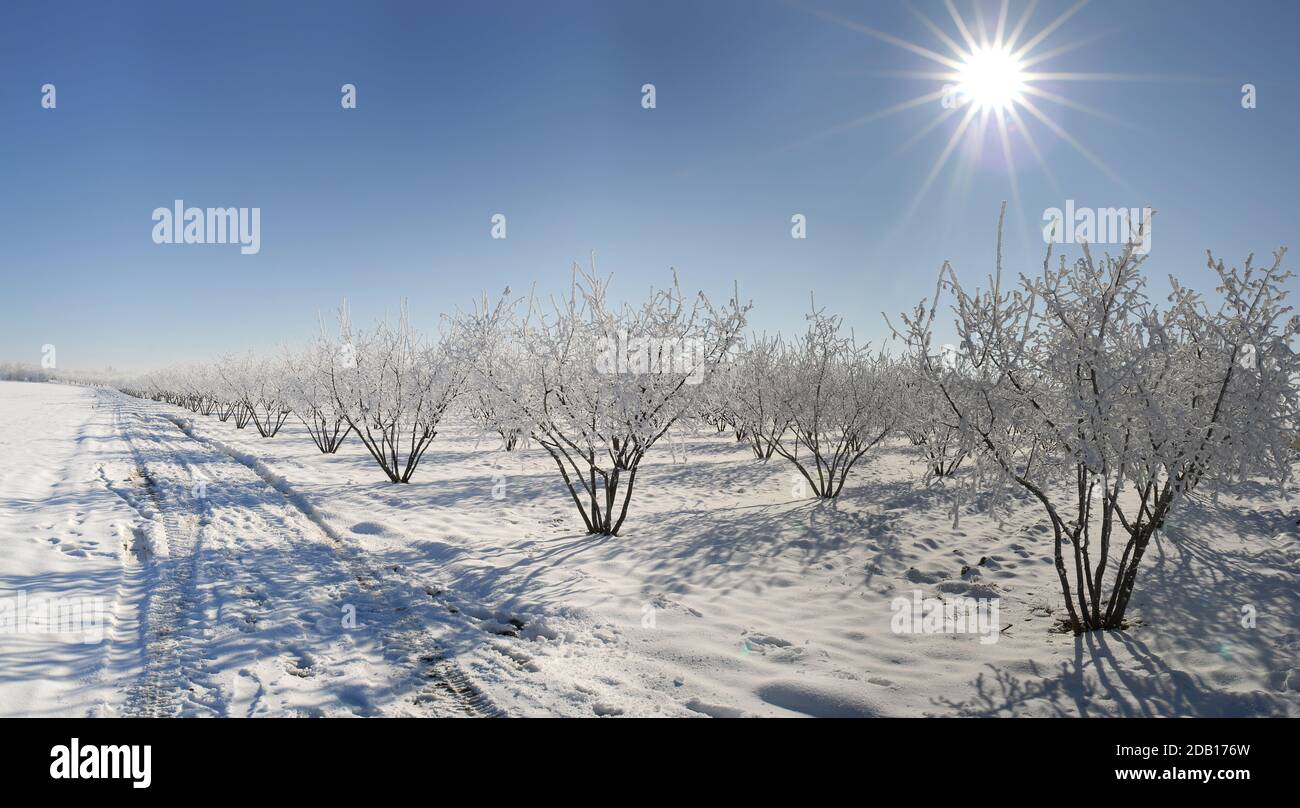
911	103
1006	155
1002	23
1030	61
961	26
939	164
966	171
890	38
1014	37
1034	150
1111	77
979	25
1052	26
922	132
928	75
1039	92
1068	138
939	32
1013	176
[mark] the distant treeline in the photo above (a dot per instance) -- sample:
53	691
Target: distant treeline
15	372
18	372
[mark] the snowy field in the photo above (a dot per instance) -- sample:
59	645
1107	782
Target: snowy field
255	577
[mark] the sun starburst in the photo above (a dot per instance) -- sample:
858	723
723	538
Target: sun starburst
991	81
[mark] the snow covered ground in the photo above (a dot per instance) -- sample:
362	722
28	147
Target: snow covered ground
245	576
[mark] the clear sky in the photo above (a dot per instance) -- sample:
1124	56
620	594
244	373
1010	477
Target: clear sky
534	110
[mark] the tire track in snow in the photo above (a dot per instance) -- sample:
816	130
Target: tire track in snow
303	539
171	598
447	690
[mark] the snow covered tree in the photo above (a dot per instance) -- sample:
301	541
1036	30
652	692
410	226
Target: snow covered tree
189	386
931	426
838	399
238	383
224	406
394	388
759	395
492	360
597	385
267	396
256	388
482	413
1110	409
309	394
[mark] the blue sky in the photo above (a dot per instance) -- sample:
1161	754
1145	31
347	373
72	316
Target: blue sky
532	110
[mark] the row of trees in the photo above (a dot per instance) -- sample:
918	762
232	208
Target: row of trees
559	373
596	385
1070	385
16	372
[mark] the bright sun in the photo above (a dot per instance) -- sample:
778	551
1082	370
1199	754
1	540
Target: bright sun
991	79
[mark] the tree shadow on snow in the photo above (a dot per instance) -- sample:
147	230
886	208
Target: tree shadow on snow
1195	593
